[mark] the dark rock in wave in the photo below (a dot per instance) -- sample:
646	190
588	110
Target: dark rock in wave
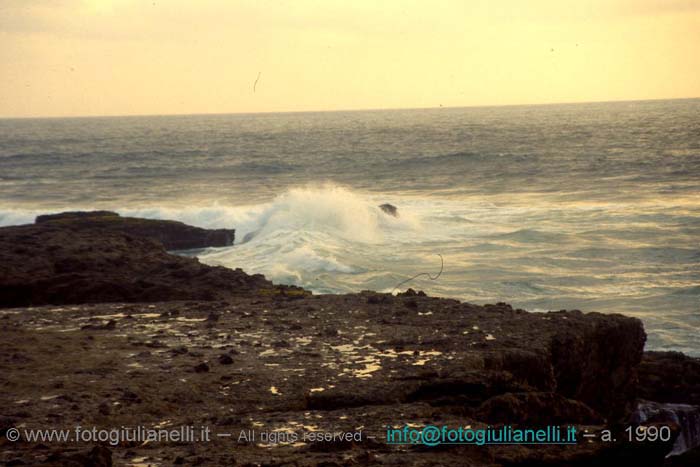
389	209
172	234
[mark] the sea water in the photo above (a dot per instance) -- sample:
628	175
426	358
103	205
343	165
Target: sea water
587	206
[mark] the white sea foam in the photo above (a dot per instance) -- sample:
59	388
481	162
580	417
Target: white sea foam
329	209
18	216
309	231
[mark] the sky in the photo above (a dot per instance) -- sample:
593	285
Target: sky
145	57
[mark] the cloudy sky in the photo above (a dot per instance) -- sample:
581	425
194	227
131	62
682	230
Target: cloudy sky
123	57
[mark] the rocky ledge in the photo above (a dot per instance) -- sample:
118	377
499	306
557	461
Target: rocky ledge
172	235
233	353
92	258
670	377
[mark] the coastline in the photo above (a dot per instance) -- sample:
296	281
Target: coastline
126	334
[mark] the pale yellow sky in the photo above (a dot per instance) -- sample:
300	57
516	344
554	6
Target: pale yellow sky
123	57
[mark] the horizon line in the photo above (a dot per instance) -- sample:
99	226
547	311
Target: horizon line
374	109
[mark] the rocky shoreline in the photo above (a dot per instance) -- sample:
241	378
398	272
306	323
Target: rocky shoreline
102	257
102	327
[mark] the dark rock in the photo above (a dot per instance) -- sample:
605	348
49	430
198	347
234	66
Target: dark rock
108	326
687	459
130	396
64	263
225	359
595	359
529	368
201	368
373	299
99	456
669	377
536	409
604	454
213	317
15	462
75	215
339	445
685	416
411	293
181	350
389	209
172	235
228	421
340	399
652	453
104	408
469	389
6	423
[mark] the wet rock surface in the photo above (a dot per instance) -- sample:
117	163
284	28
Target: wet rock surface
442	362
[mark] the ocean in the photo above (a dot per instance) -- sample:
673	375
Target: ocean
575	206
